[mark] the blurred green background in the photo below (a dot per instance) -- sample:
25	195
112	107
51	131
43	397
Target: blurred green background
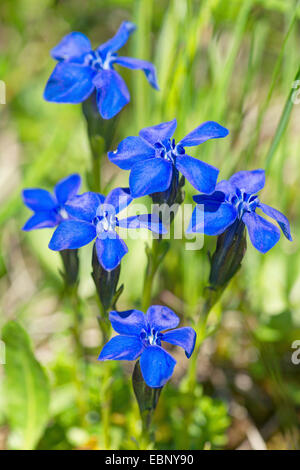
230	61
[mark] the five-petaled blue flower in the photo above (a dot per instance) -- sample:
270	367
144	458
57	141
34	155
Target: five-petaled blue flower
141	336
95	217
50	209
236	201
82	70
154	156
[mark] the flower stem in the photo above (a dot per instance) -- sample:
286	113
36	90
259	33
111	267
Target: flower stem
105	400
80	372
147	399
100	134
155	256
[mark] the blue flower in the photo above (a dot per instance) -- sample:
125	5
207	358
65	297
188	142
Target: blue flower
50	209
95	217
81	70
141	336
153	156
236	201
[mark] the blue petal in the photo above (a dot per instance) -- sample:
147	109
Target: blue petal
211	216
119	198
137	64
280	219
122	348
84	207
72	234
72	45
150	176
183	337
119	39
129	322
217	196
67	188
156	366
225	187
112	93
249	181
130	151
201	175
38	199
263	234
206	131
42	219
149	221
159	133
110	251
69	83
161	318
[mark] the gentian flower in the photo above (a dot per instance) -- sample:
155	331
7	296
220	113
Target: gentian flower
50	209
141	336
153	156
236	201
95	217
81	70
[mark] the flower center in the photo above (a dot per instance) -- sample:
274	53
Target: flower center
97	62
151	337
62	213
168	150
105	222
244	202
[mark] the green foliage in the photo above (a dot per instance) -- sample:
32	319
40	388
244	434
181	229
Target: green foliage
204	420
27	389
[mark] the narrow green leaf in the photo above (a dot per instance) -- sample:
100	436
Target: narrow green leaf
282	125
26	387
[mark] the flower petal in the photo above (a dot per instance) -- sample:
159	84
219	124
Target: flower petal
280	219
156	366
72	45
69	83
263	234
200	174
112	93
150	176
184	337
84	207
122	348
119	39
38	199
42	219
211	216
137	64
130	151
67	188
159	133
129	322
149	221
225	187
119	198
206	131
72	234
249	181
161	318
110	251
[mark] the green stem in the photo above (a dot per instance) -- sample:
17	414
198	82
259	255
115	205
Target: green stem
80	371
147	399
211	298
96	176
105	400
154	259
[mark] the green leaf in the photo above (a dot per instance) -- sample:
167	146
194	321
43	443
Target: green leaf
26	387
